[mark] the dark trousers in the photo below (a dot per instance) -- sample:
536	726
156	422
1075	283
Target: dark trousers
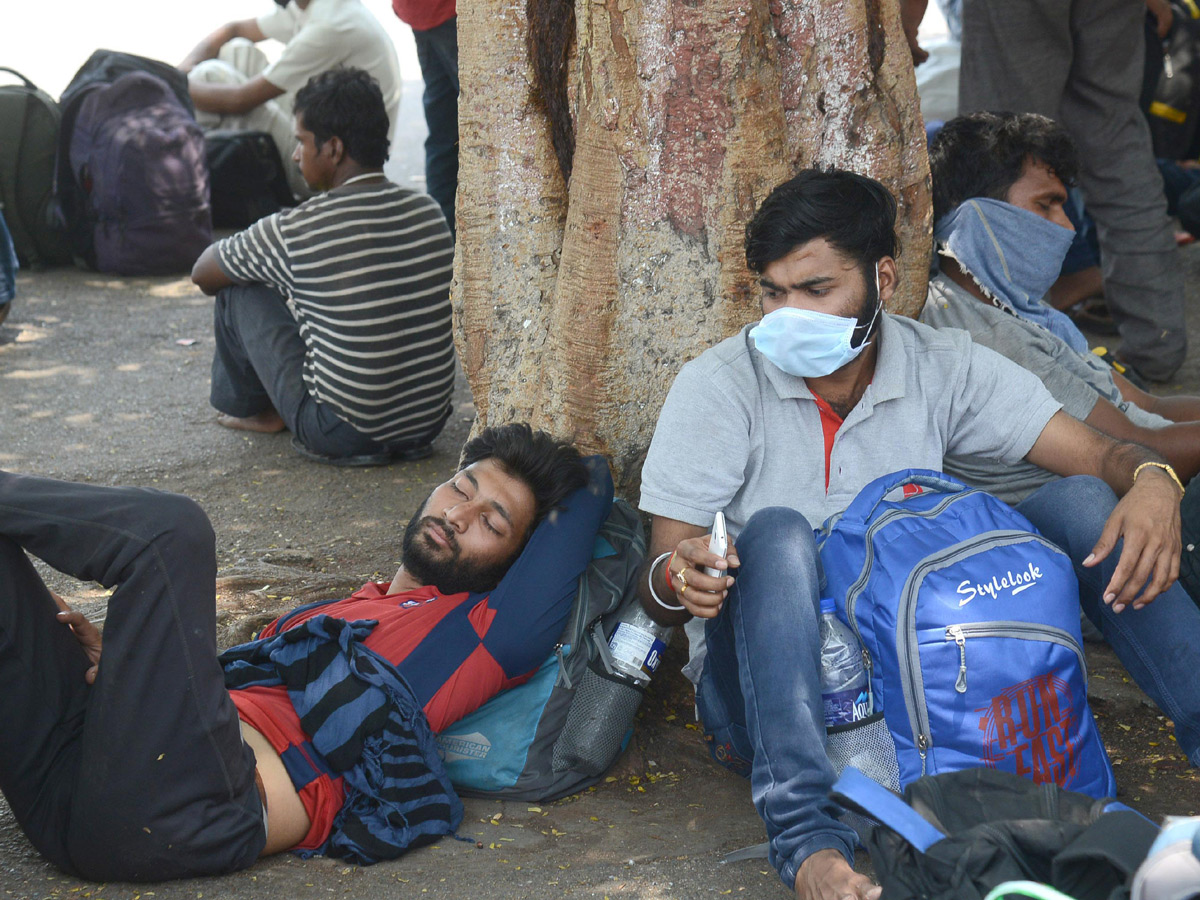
1081	63
437	52
1189	559
143	775
259	362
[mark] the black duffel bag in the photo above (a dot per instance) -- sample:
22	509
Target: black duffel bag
246	177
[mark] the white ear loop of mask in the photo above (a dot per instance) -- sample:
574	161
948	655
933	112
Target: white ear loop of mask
878	305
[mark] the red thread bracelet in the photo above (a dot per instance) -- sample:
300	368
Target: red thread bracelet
667	573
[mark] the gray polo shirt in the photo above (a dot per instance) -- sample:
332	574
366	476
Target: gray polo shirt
738	434
1076	380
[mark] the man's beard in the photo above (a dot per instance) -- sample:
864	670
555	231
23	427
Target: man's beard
444	567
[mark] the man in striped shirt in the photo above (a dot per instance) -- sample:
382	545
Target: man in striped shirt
333	319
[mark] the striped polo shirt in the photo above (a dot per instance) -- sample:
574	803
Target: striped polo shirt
367	267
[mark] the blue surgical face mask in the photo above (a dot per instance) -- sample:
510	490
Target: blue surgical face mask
811	344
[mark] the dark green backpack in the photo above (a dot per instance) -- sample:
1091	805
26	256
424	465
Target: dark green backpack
29	121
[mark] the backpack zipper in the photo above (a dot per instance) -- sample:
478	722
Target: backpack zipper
1025	631
860	583
912	682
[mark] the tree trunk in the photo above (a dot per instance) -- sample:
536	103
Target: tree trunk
576	303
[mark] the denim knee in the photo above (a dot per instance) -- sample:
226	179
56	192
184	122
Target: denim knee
779	534
1091	500
1077	507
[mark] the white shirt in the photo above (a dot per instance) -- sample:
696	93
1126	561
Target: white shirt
330	33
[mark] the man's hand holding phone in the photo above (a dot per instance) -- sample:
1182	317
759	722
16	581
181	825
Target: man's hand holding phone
698	571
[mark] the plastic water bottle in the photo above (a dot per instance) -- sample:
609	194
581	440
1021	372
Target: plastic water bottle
637	644
600	717
844	693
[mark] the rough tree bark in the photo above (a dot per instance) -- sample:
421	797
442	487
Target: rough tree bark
577	302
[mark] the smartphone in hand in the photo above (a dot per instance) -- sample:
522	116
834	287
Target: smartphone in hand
718	544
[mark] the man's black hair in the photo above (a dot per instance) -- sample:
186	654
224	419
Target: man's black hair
984	154
854	213
551	468
346	103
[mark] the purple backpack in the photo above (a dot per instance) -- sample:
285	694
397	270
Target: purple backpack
137	156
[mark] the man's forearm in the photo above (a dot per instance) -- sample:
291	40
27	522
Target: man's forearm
1179	445
219	99
209	47
1185	408
1119	462
207	273
1178	409
232	99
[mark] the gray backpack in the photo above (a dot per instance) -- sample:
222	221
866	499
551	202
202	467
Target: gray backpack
558	733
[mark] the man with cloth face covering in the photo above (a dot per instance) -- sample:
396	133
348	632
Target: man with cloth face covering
999	183
784	423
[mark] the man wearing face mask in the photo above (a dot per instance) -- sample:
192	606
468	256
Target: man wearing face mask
999	184
781	425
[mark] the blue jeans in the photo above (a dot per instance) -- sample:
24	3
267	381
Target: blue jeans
437	52
1160	644
760	692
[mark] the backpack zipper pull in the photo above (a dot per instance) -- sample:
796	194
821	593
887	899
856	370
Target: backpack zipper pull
866	659
955	633
1168	66
563	678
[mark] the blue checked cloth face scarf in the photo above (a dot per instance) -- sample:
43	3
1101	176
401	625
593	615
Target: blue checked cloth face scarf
1014	256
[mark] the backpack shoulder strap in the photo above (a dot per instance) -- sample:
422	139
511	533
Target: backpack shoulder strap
855	789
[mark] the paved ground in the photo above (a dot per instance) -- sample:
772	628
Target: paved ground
105	380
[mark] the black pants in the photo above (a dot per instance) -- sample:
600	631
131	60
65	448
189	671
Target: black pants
1189	560
143	775
259	362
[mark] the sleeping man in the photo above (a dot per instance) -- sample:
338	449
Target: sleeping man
155	759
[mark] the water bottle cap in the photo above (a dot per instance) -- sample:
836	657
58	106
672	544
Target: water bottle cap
827	605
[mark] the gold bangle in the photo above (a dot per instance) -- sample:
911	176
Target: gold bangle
1166	468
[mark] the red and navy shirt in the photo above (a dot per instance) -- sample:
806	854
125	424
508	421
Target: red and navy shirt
455	651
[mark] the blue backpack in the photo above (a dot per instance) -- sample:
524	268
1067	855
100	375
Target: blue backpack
969	623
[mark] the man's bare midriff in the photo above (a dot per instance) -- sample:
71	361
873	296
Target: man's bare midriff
287	821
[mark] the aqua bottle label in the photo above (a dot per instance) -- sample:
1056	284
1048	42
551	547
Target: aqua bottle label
637	648
844	707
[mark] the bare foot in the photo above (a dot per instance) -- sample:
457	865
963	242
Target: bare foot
826	876
267	422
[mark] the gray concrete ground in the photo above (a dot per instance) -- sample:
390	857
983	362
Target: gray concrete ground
105	379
